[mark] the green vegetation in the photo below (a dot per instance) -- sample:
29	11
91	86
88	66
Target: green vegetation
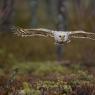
38	76
35	78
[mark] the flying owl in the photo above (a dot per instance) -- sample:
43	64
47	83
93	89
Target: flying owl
60	37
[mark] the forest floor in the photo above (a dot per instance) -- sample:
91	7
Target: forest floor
46	78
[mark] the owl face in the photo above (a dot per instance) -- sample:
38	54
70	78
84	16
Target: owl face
61	37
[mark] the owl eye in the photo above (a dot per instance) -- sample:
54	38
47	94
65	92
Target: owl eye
60	36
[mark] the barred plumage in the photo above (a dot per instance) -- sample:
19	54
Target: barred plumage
59	36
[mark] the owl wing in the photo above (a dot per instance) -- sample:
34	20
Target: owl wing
82	35
33	32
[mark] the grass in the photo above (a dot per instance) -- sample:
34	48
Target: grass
44	69
47	77
37	78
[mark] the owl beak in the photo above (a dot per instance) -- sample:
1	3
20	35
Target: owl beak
62	38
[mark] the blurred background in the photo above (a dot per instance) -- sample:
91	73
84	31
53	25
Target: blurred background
51	14
24	61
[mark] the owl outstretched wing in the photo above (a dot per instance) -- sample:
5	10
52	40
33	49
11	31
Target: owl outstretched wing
33	32
82	35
